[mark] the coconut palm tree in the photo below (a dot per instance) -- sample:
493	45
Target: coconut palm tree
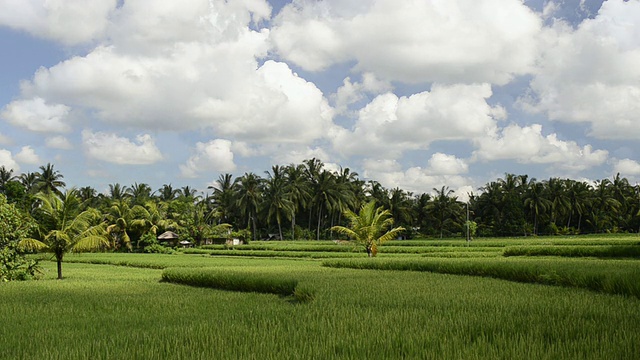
64	228
369	228
248	190
140	193
49	180
167	192
29	180
224	197
6	175
276	202
298	192
118	192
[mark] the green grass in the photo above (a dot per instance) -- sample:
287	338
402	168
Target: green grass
603	251
116	312
217	278
610	277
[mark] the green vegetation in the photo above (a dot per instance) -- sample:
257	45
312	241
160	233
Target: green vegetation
230	280
105	312
370	228
604	276
611	251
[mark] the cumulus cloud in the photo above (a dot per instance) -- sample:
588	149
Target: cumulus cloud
37	115
58	142
416	179
215	155
412	41
592	74
627	167
443	164
68	21
527	145
28	156
352	92
390	124
188	67
6	160
119	150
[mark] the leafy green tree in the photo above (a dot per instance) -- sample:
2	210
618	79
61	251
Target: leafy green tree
167	193
223	197
298	192
65	228
370	227
6	175
140	193
15	225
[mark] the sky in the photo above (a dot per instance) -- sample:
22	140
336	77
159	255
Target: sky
415	94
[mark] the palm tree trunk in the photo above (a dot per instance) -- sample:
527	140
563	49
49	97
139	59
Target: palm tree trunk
293	226
59	263
319	218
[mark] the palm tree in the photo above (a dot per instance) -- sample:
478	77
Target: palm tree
140	193
298	192
224	197
536	202
5	177
369	227
248	189
445	209
118	192
65	228
120	217
29	180
167	192
49	180
276	201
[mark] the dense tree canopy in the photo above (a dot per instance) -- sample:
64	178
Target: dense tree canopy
307	201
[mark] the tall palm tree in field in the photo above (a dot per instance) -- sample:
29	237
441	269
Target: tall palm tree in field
64	228
50	180
369	228
224	197
29	180
298	192
6	175
248	188
277	204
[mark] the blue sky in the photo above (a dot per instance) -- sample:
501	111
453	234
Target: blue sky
415	94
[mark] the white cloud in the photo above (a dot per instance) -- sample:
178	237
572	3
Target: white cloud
412	41
119	150
443	164
592	74
351	92
414	179
389	125
36	115
28	156
627	167
215	155
527	145
68	21
58	142
6	160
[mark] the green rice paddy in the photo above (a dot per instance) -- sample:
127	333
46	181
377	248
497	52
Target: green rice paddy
115	306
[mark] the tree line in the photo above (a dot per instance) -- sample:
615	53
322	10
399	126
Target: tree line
307	201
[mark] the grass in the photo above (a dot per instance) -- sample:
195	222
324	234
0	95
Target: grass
604	276
603	251
120	312
113	312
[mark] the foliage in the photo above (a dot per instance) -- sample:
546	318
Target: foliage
234	281
464	317
618	278
157	249
14	226
64	228
611	251
369	227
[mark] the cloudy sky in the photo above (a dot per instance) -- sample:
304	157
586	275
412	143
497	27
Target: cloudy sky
413	93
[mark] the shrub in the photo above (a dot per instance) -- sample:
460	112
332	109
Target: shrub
158	249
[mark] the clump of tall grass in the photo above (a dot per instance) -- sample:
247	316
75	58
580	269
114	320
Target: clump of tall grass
274	254
606	277
615	251
238	281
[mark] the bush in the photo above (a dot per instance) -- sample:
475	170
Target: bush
158	249
14	266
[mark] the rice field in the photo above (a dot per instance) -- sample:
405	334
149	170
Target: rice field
115	306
